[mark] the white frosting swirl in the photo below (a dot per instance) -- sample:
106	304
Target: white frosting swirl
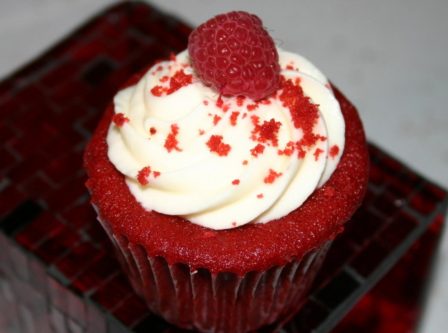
185	151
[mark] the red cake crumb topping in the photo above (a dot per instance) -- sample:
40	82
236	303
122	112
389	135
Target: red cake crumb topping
260	196
251	107
235	182
304	113
245	162
234	118
143	175
266	132
171	142
240	100
272	176
119	119
152	130
289	149
334	151
205	102
216	119
257	150
177	81
216	145
219	102
317	153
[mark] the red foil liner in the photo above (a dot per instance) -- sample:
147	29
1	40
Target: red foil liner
217	302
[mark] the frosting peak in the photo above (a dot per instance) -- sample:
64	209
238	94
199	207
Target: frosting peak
222	162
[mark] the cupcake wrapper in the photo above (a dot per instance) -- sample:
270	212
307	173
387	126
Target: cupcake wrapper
223	302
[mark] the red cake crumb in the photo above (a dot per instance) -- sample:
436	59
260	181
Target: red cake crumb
152	130
156	174
235	181
164	78
334	151
272	176
205	102
234	118
233	224
317	153
257	150
304	113
245	162
251	107
289	149
119	119
267	132
260	196
177	81
216	119
216	145
143	175
219	102
171	139
240	100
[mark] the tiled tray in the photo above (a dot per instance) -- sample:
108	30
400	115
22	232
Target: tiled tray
57	273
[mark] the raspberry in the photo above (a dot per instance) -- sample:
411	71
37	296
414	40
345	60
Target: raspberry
233	53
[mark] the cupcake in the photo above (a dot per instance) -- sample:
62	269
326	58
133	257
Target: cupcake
223	174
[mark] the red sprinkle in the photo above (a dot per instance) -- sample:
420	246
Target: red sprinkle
171	139
216	145
119	119
257	150
334	151
272	176
235	181
143	175
317	153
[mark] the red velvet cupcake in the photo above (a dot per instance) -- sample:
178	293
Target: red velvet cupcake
222	175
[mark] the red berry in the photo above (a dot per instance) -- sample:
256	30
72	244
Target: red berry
233	53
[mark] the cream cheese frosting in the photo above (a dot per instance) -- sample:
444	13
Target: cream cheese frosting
222	162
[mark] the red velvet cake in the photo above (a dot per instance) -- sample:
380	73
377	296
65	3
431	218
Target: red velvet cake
227	279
